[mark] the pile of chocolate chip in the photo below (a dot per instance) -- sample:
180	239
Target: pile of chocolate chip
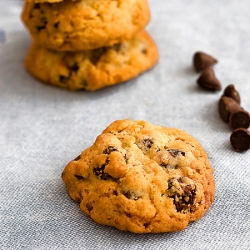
230	109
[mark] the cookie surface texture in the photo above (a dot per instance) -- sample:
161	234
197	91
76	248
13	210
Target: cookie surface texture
43	1
94	69
142	178
85	24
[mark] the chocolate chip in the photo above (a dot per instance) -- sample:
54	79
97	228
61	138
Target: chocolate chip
63	79
202	60
168	166
175	152
231	111
207	80
43	24
89	207
36	6
77	158
96	54
56	25
131	195
239	119
109	150
147	142
125	158
230	91
183	195
99	171
79	177
240	139
74	67
227	105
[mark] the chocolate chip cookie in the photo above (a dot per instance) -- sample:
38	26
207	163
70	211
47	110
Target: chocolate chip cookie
44	1
85	24
93	69
142	178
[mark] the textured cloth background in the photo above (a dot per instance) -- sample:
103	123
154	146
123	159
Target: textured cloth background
42	128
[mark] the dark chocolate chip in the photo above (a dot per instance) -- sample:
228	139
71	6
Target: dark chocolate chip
175	152
79	177
208	80
147	142
145	145
168	166
56	25
109	150
63	79
96	54
183	200
227	106
89	207
43	24
230	91
74	67
239	119
202	60
99	171
36	6
240	139
77	158
125	158
130	195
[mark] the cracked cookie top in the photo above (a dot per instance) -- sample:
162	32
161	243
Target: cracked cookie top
142	178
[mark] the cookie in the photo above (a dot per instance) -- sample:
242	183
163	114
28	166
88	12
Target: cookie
47	1
85	24
142	178
94	69
43	1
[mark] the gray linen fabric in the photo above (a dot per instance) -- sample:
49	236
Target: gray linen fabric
42	128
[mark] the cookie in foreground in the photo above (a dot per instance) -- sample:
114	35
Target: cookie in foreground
142	178
93	69
84	24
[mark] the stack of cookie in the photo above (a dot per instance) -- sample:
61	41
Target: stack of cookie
88	44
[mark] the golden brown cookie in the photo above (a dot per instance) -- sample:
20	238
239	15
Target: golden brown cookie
142	178
42	1
85	24
46	1
94	69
